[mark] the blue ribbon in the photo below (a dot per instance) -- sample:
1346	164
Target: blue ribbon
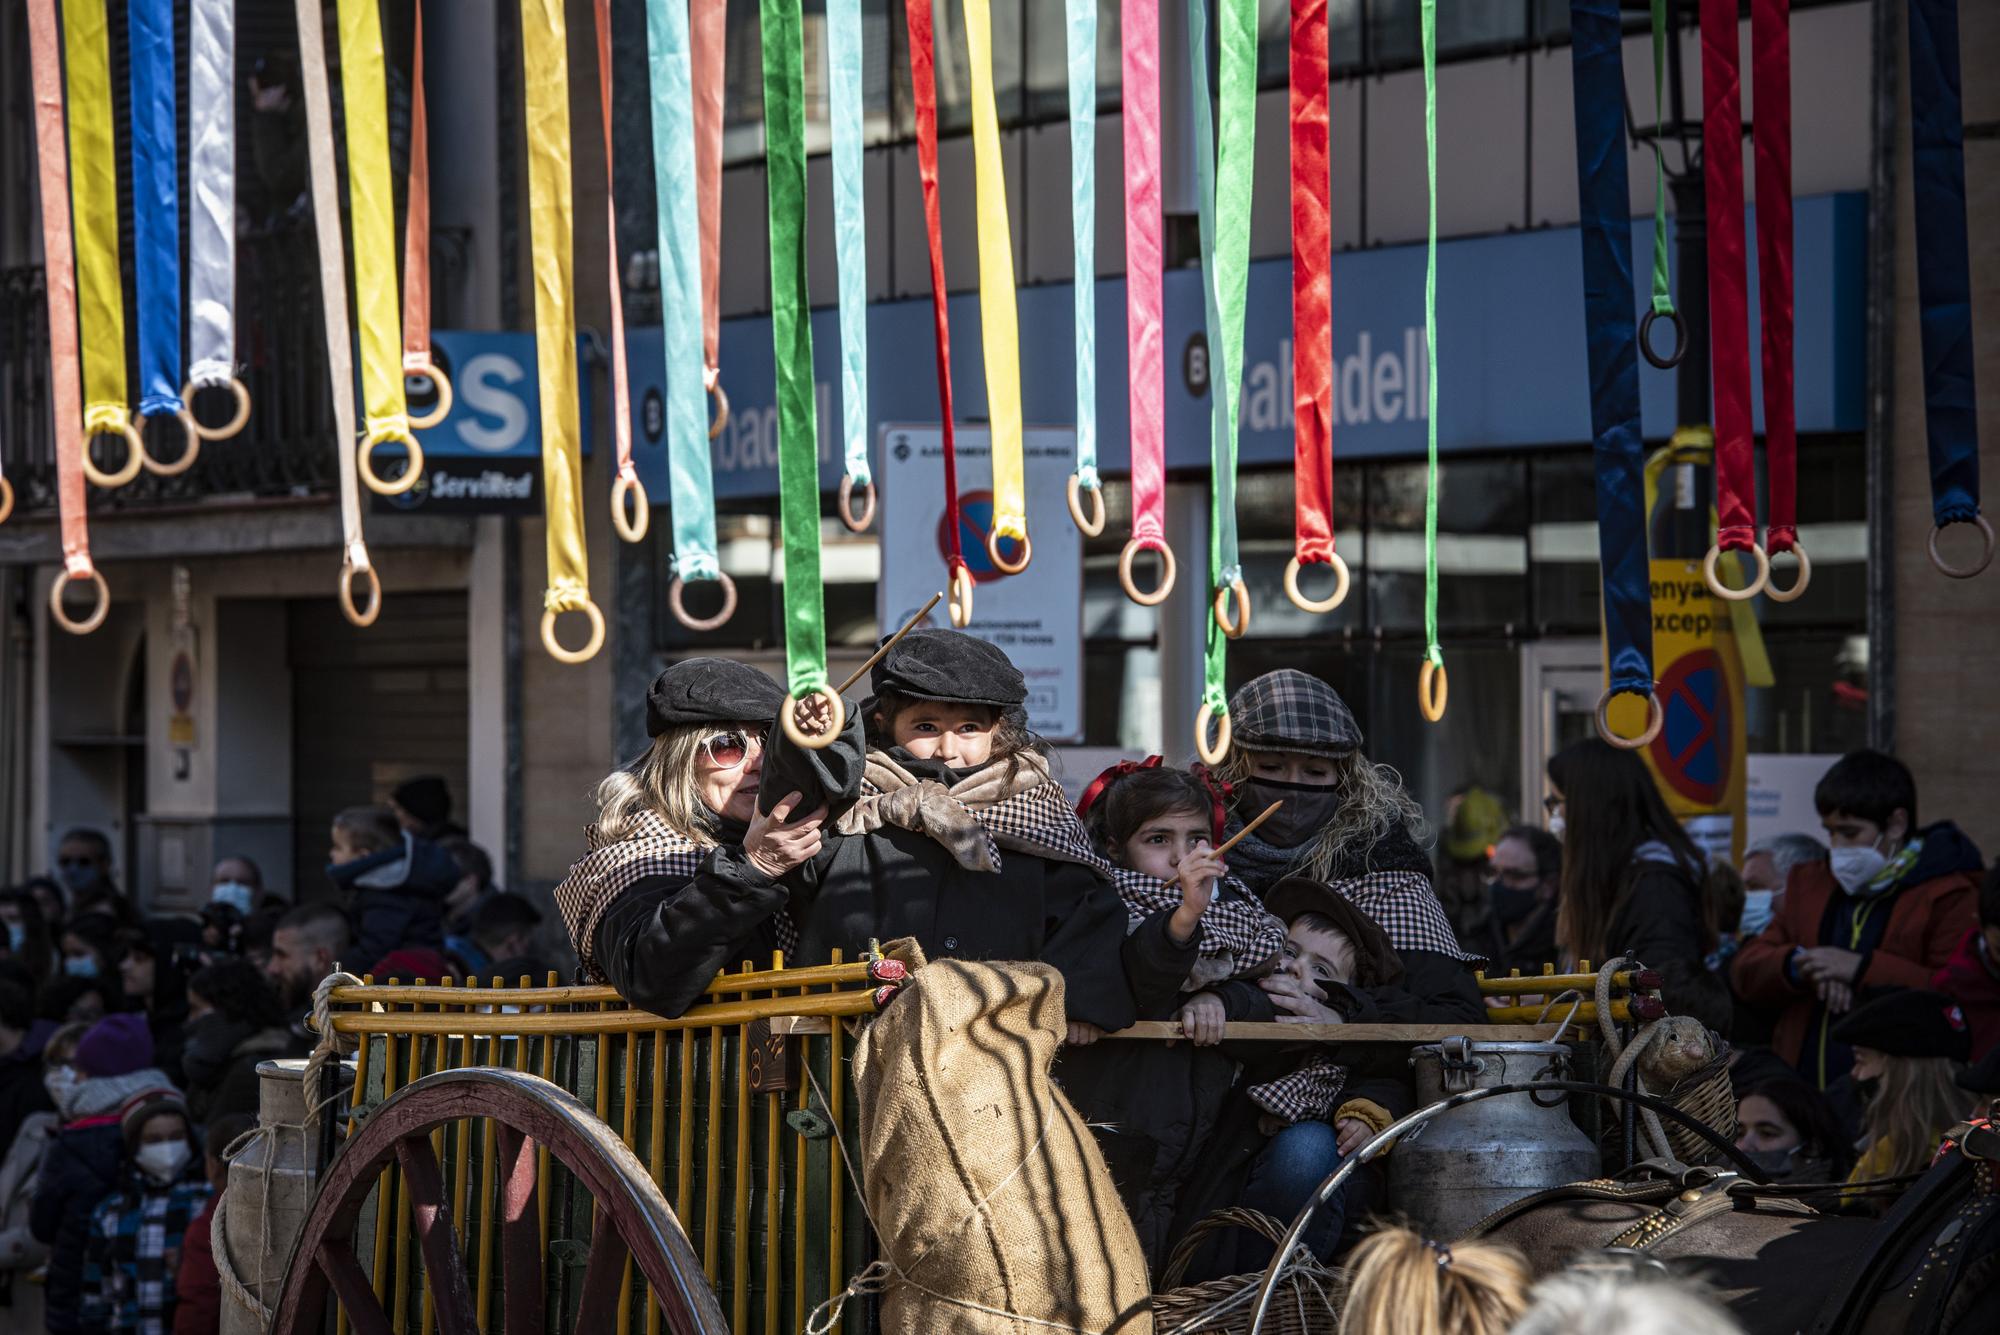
1944	272
843	48
1082	16
156	206
1619	451
692	491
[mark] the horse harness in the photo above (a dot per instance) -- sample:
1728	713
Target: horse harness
1684	1197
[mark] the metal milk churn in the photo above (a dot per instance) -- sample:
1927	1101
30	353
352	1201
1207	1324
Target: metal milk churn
269	1194
1462	1165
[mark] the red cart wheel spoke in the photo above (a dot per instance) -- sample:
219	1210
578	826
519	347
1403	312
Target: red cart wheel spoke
351	1287
520	1232
603	1275
444	1262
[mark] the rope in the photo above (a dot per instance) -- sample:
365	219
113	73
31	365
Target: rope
1624	1056
333	1046
218	1233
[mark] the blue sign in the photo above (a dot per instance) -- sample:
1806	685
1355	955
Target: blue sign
496	409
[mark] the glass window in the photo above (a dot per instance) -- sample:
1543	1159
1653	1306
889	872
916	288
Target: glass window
748	547
1482	545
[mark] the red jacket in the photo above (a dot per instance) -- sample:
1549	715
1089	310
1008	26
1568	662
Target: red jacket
198	1290
1927	919
1969	978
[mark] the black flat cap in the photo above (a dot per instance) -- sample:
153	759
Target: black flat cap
931	663
710	690
1376	960
1908	1022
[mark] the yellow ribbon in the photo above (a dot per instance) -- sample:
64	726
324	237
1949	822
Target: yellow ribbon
1000	343
545	55
371	203
94	168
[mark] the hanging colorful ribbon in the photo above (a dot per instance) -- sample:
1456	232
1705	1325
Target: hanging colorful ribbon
710	20
1598	79
371	209
1081	22
1728	299
1312	310
1771	131
100	284
844	109
156	215
1000	340
545	63
211	275
1663	295
333	307
1944	277
59	280
631	510
1432	683
1139	42
417	359
674	168
923	89
791	345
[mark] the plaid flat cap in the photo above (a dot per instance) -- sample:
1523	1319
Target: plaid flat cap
1288	710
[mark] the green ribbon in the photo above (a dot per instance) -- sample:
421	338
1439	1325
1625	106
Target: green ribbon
1432	653
791	344
1223	187
1663	297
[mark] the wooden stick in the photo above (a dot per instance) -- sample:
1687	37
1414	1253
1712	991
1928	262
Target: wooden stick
1236	838
876	657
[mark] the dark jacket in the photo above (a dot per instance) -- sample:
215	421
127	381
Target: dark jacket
22	1093
221	1057
1971	977
662	940
398	897
197	1284
81	1169
1907	933
1657	920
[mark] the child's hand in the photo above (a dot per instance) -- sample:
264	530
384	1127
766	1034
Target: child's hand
1199	871
1350	1134
1202	1018
1082	1033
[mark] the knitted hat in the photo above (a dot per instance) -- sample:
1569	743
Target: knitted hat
710	690
1908	1022
1288	710
145	1105
426	798
116	1045
932	663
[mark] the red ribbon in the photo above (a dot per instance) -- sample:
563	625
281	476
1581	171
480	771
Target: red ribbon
1771	129
1144	340
1312	288
923	85
1728	315
708	28
1100	785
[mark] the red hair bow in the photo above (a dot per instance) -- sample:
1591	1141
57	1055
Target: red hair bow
1102	783
1220	794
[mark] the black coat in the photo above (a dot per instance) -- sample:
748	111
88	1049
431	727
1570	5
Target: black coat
81	1168
398	898
22	1093
662	940
1658	921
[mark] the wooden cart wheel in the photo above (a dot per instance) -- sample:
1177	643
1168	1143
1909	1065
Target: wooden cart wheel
631	1219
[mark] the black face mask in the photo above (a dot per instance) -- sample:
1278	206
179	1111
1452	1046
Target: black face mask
1780	1164
1308	808
1510	905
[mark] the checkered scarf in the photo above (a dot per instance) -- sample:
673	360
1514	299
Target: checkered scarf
1312	1091
1237	935
1024	813
1289	710
1407	909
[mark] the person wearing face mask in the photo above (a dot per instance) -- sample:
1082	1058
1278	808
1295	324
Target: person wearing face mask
83	864
134	1253
1526	867
28	942
91	948
112	1063
239	883
1887	909
1789	1130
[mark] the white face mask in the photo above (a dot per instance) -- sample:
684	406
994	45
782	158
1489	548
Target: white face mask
1856	867
163	1160
235	894
1557	825
1756	911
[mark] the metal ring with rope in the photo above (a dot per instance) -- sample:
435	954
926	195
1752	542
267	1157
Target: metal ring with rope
1002	564
1655	716
960	602
836	711
676	591
228	429
1963	572
6	499
439	410
1238	628
1673	359
591	646
721	418
364	619
629	494
135	459
1215	755
409	475
1133	547
90	623
1778	595
1433	687
856	524
188	455
1095	524
1341	580
1723	591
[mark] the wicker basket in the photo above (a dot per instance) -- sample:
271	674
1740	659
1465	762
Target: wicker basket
1307	1301
1708	1097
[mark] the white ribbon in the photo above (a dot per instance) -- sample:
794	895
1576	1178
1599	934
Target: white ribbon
211	273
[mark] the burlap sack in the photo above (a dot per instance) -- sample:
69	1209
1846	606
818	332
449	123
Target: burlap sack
994	1207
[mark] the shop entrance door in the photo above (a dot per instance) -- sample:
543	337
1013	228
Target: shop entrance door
1561	681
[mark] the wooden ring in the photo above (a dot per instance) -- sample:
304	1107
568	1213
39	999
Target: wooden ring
589	650
1432	688
818	741
442	408
1004	566
1095	524
721	418
1964	572
679	609
626	491
960	602
6	499
1167	570
1778	595
1341	580
96	618
1234	630
188	455
1655	716
1742	595
134	460
363	619
847	516
401	484
235	423
1202	717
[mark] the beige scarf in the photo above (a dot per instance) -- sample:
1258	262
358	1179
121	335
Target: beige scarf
1017	807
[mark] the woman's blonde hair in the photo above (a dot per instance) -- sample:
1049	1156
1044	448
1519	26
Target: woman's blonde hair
1373	802
1401	1284
1917	1100
662	782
